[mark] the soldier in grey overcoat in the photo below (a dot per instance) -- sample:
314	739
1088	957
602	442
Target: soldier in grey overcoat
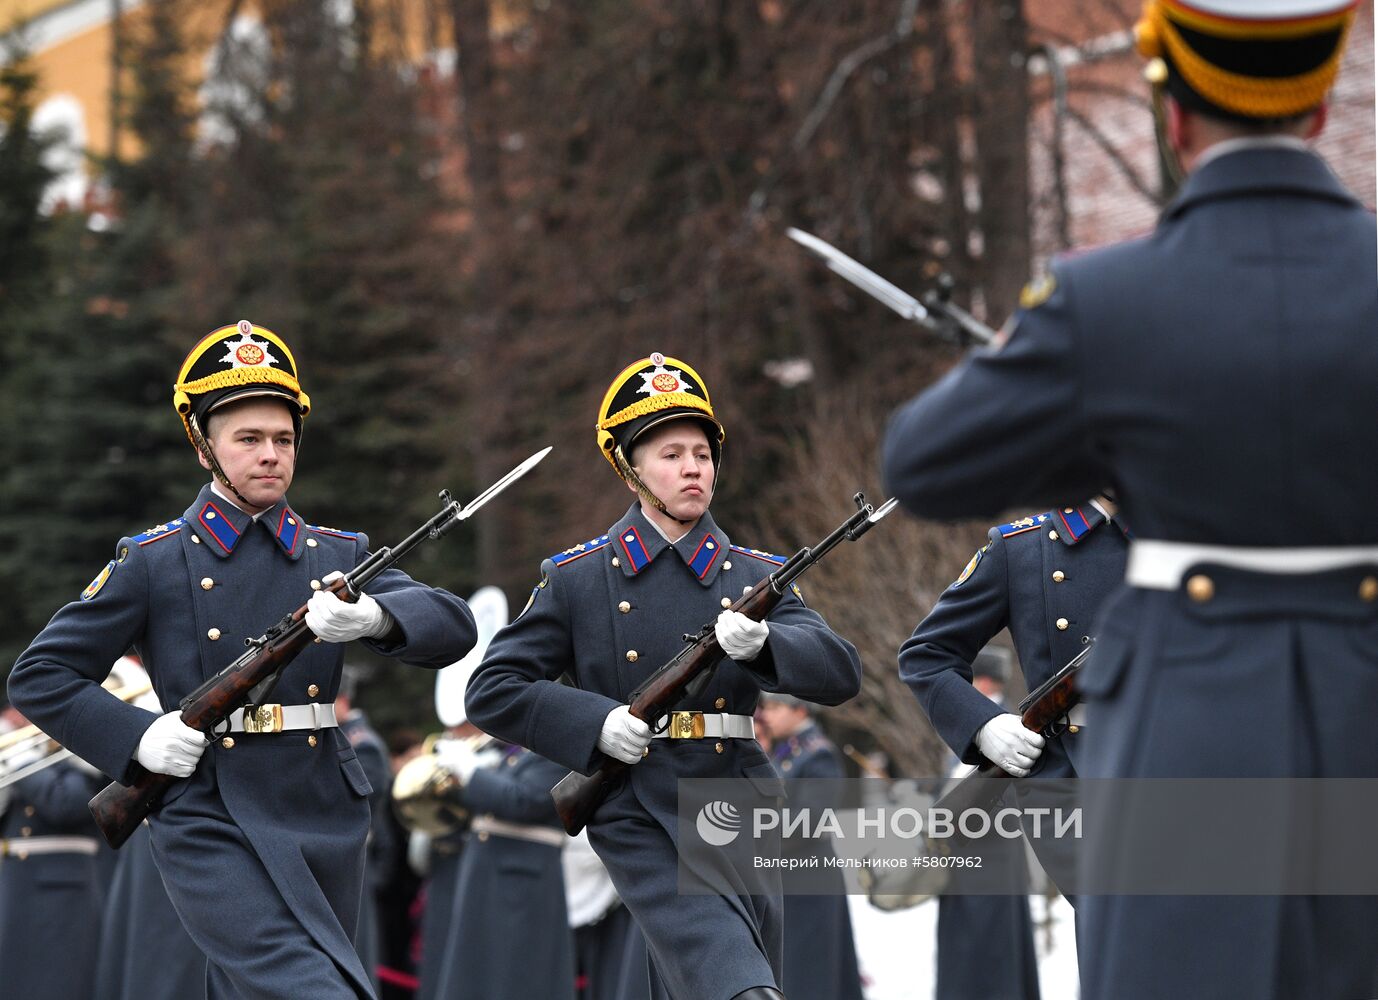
139	920
1044	577
610	611
1219	374
262	848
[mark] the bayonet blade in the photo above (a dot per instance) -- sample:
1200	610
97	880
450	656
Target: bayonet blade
861	276
473	505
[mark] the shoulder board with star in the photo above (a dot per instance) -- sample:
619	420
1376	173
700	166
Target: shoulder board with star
574	552
159	532
763	556
337	532
1031	523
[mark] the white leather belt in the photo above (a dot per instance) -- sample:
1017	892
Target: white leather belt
282	718
708	726
22	847
518	831
1160	565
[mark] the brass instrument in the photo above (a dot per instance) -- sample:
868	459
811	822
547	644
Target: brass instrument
427	796
28	749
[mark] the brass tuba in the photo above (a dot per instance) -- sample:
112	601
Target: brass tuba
426	795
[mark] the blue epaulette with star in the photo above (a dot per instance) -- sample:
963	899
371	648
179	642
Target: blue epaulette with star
763	556
569	555
1022	525
159	532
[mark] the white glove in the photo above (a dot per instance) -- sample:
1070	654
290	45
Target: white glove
458	759
169	747
739	636
335	620
1006	743
624	736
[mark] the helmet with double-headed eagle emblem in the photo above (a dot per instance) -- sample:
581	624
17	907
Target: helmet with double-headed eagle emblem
646	394
234	363
231	364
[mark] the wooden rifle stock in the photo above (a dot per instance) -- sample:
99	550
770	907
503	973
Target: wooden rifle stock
119	809
578	796
1040	711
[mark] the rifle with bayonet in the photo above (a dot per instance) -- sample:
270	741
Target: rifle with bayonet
936	313
1043	711
577	796
119	809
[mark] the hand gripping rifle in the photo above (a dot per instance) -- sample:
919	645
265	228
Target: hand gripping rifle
119	809
578	796
1042	710
937	313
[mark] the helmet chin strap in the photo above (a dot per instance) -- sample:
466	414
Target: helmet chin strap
204	446
643	491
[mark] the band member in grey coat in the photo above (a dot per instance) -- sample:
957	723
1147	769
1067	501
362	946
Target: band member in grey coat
608	612
509	936
50	894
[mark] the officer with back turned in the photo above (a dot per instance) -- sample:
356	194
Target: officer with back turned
1219	375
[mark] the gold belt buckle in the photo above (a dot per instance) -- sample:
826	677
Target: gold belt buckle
263	718
686	726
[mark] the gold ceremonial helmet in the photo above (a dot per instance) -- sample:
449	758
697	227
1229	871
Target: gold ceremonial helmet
1246	60
234	363
231	364
647	393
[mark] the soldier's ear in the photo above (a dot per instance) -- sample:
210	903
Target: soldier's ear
1316	125
1179	125
200	457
